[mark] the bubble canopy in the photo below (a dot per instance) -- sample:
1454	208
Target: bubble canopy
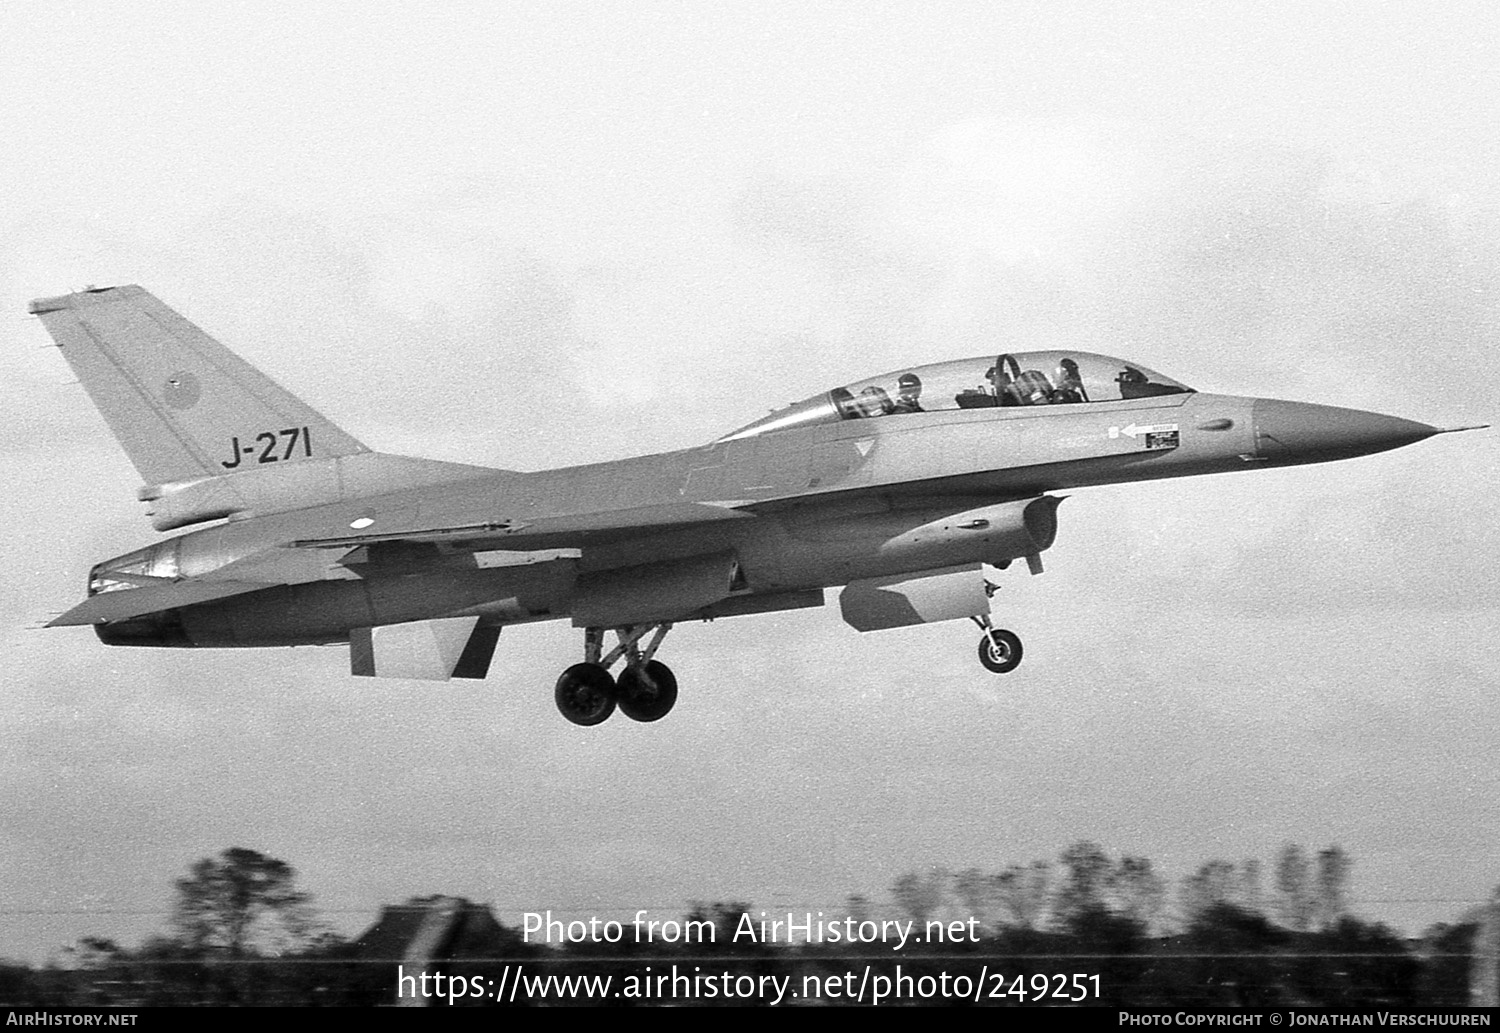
1006	380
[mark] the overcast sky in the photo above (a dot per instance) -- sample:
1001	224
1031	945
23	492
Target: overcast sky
538	234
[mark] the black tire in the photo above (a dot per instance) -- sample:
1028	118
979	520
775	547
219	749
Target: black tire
646	693
1000	651
585	694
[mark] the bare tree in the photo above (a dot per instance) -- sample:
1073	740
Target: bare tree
1330	902
1294	891
857	906
1251	897
1086	877
1022	893
1137	892
921	895
1214	883
240	902
976	892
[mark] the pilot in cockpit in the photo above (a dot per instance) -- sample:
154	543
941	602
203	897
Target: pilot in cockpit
874	401
1029	387
1070	387
908	391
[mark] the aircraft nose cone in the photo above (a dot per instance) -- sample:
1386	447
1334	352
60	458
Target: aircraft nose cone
1297	432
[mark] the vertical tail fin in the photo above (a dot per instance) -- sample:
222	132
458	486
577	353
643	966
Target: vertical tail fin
182	405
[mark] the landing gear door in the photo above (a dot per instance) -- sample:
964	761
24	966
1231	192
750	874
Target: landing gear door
899	601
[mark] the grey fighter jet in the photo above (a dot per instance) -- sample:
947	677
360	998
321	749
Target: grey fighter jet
900	488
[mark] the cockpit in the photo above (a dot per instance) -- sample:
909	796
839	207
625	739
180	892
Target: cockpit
1011	379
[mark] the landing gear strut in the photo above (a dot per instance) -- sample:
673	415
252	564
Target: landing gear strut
645	690
999	650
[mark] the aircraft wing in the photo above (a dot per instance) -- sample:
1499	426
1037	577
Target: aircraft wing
572	530
151	598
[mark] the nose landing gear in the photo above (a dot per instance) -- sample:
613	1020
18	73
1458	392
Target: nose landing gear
999	650
646	689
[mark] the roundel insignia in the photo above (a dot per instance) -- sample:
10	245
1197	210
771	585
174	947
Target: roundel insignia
181	390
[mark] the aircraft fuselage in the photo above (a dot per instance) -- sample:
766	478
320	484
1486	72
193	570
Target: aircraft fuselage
874	498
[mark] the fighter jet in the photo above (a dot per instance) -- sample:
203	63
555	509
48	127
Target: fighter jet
900	487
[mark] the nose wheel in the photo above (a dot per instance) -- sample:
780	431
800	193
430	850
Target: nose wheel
999	650
646	689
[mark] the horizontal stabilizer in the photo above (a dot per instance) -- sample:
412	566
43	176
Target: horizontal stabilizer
436	650
153	598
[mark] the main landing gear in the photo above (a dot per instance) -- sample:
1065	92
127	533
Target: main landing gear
645	690
999	650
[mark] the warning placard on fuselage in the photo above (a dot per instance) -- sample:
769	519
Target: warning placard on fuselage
1157	436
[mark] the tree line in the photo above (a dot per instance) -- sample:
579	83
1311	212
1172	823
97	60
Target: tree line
1309	892
241	932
